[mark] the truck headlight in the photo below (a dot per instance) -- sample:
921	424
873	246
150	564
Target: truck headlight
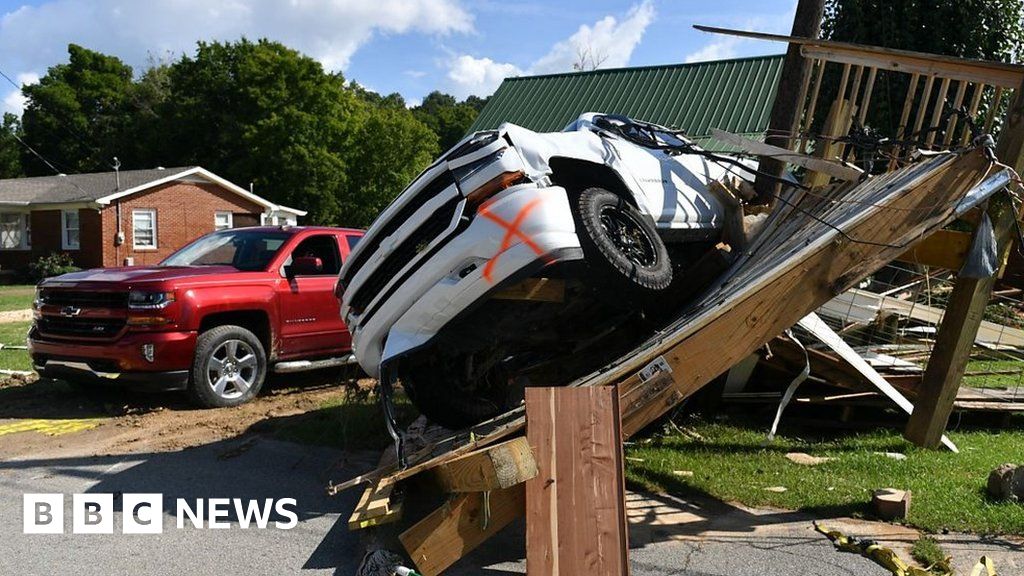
145	300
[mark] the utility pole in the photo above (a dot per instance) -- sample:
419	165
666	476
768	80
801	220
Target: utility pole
795	69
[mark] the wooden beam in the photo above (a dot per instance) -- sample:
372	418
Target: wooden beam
788	98
575	507
378	505
836	124
943	249
989	72
832	168
459	526
966	305
500	466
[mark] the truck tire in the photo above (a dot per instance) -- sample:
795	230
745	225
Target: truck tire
620	245
228	368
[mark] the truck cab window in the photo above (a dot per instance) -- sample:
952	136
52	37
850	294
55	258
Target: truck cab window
324	247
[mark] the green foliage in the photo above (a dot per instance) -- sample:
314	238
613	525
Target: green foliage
77	116
54	264
393	148
10	149
984	29
447	118
260	112
253	112
928	552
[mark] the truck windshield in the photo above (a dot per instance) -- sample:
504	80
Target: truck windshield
244	249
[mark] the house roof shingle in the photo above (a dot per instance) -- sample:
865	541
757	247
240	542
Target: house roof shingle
77	187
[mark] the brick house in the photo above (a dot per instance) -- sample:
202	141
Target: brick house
135	217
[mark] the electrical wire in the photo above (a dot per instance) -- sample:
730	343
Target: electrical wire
66	128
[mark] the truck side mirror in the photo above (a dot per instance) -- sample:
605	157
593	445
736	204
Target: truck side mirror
305	266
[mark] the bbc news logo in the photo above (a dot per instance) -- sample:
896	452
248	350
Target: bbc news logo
144	513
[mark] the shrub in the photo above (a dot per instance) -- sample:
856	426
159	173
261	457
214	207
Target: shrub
55	264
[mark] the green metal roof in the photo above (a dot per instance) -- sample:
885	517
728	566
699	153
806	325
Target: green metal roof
733	95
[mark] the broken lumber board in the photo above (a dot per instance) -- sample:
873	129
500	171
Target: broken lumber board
459	526
967	69
864	303
535	290
832	168
499	466
788	276
378	505
576	505
813	324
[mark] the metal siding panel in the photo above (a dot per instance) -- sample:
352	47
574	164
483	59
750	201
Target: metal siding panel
734	95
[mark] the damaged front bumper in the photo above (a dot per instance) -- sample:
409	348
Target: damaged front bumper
519	231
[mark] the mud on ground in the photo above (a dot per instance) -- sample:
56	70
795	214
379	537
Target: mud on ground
120	421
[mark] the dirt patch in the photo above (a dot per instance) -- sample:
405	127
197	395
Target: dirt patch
150	423
15	316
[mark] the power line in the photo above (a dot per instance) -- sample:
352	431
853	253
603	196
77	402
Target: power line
68	129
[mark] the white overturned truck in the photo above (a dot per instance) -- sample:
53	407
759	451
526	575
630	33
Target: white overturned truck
617	209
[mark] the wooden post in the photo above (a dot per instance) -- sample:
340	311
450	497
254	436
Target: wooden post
966	305
787	107
575	506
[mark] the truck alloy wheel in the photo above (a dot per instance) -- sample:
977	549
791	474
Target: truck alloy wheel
229	367
621	246
231	370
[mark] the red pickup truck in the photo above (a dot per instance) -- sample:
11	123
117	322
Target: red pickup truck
211	319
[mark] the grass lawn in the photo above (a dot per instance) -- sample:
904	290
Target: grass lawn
348	421
732	462
14	333
16	297
1011	379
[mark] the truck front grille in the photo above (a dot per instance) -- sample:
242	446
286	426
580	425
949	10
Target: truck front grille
80	327
84	299
428	192
408	250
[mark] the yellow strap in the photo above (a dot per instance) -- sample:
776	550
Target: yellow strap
888	559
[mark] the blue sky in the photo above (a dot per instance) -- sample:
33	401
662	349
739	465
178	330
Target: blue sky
407	46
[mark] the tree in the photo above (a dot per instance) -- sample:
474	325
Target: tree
10	148
985	29
260	112
449	119
77	115
393	148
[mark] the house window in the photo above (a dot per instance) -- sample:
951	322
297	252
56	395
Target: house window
222	220
69	229
144	229
14	231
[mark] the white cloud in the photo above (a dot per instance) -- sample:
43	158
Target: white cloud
721	47
608	43
35	37
479	76
716	50
14	102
